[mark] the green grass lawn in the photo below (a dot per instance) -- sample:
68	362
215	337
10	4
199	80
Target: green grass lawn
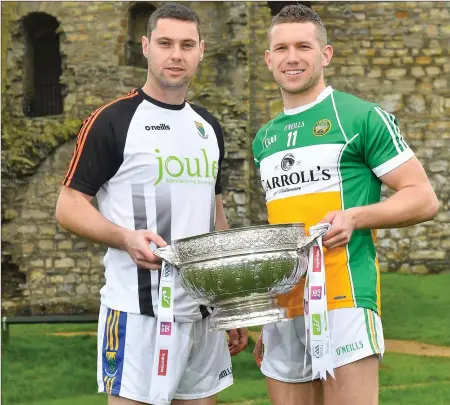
416	307
42	369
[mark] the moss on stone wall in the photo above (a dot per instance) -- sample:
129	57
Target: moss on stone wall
26	145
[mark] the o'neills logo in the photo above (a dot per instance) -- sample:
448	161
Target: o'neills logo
352	347
317	264
226	372
162	364
160	127
296	177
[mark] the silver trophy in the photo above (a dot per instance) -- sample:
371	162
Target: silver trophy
240	272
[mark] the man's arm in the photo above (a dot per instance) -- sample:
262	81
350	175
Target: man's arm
221	220
414	201
75	213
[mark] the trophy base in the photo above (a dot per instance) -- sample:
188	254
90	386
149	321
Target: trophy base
242	314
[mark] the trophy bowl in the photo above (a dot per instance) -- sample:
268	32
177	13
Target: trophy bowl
241	271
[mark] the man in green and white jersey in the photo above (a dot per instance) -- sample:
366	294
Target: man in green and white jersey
323	160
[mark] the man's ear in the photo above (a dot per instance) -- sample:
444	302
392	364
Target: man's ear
268	61
145	45
327	54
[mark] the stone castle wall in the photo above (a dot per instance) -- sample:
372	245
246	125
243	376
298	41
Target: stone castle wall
393	53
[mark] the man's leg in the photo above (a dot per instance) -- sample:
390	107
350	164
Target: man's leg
355	384
307	393
288	375
358	343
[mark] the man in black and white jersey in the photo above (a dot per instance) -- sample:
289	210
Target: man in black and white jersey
153	161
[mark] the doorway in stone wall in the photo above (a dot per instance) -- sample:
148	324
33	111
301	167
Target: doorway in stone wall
138	16
42	66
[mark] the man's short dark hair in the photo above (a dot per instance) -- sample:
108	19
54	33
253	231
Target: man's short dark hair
299	13
176	12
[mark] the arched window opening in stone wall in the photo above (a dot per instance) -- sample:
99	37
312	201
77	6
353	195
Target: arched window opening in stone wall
42	66
137	27
277	6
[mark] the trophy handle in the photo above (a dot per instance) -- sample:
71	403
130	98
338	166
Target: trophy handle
168	254
316	232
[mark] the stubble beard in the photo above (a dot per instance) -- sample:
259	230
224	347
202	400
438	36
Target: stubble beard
184	82
165	83
311	82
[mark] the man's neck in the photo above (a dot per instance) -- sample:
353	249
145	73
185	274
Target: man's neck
168	95
294	100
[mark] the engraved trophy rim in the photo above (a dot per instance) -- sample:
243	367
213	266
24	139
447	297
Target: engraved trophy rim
240	229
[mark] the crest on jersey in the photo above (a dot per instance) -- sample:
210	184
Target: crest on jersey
287	162
322	127
201	130
111	361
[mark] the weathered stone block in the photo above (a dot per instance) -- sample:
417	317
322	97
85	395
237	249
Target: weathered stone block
381	61
419	269
45	244
417	71
64	263
427	255
27	229
65	245
35	276
405	268
56	279
423	60
37	263
395	73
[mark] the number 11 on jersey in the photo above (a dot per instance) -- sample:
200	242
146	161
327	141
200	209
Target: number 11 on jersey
292	136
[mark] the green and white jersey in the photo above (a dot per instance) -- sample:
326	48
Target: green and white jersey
328	156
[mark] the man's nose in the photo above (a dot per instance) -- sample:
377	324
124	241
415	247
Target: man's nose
176	54
292	56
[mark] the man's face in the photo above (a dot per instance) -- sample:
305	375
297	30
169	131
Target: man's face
173	52
296	58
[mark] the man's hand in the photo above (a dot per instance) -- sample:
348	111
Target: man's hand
342	227
238	340
137	245
258	351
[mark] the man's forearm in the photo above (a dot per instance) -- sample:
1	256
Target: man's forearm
221	219
408	206
82	219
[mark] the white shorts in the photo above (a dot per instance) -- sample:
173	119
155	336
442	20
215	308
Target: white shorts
204	363
356	333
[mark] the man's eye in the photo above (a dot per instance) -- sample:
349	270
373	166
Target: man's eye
189	45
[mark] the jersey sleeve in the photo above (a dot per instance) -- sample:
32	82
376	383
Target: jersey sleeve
384	146
257	149
96	157
221	143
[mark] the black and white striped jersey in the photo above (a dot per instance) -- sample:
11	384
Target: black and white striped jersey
152	166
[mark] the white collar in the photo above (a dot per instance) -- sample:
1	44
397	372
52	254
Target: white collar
322	96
